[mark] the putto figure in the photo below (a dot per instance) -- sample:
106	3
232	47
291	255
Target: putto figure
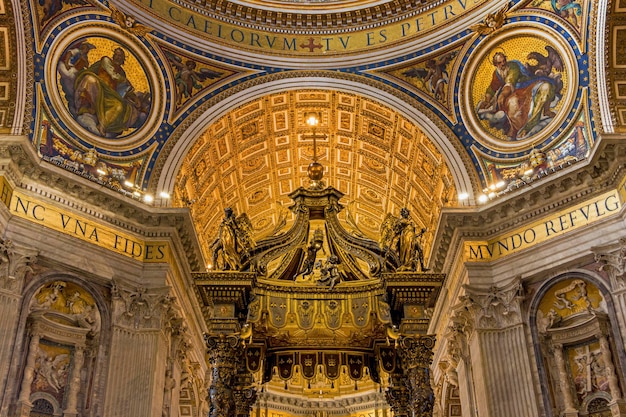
329	271
233	243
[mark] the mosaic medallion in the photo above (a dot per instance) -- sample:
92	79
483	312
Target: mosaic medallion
103	87
521	89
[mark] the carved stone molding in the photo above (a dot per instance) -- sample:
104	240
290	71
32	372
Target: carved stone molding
141	308
181	339
60	184
15	262
612	260
457	334
494	307
603	173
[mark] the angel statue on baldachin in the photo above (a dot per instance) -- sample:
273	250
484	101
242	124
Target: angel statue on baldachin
400	236
233	243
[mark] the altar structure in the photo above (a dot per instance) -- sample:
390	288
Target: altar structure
280	208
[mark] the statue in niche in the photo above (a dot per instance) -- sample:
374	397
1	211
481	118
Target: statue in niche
400	235
315	244
233	242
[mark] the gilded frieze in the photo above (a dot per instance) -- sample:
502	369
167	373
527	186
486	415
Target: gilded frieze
293	34
367	145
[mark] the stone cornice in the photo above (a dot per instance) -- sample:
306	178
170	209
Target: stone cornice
557	191
21	165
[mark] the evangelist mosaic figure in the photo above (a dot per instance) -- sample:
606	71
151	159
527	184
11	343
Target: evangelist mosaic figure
520	98
99	94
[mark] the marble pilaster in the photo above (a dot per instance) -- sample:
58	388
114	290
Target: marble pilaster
24	405
138	348
500	368
612	260
15	262
564	380
74	383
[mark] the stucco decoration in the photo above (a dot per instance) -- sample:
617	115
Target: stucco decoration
68	304
511	174
568	298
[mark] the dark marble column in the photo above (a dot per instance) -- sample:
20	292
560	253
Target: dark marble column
231	392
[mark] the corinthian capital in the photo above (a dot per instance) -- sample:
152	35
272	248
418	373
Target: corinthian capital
494	307
15	262
141	308
612	260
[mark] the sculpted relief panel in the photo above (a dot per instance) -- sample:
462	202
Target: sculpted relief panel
580	354
63	327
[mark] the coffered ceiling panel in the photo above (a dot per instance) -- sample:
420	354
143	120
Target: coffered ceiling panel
253	157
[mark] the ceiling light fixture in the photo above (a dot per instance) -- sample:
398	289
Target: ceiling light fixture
315	169
312	118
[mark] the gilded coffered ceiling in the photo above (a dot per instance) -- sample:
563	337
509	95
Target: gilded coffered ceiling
257	154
